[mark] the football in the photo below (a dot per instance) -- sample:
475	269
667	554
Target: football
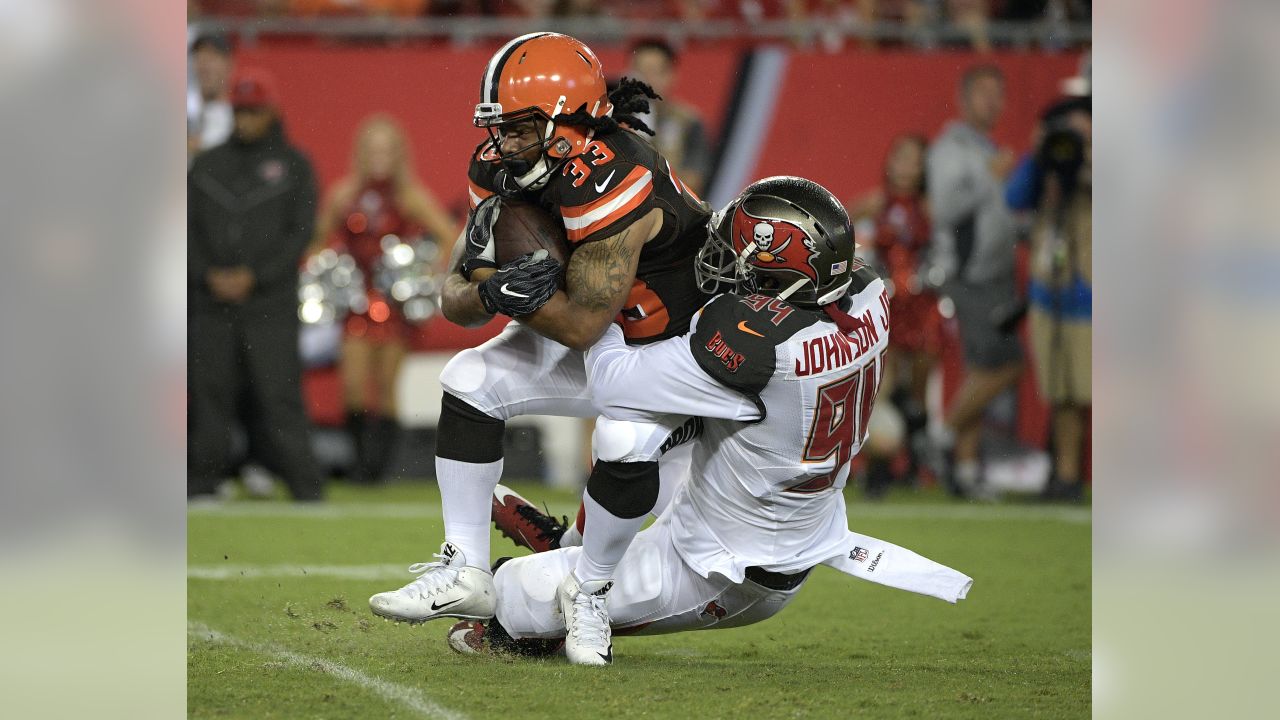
523	227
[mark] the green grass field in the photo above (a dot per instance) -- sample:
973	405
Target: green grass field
278	625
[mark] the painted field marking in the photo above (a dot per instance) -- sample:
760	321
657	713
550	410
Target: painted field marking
253	572
283	509
410	697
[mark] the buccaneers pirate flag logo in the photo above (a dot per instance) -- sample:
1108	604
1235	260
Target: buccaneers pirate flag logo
778	243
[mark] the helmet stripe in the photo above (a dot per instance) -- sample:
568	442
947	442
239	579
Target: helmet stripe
493	73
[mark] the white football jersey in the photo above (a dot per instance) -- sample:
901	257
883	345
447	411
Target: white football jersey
786	395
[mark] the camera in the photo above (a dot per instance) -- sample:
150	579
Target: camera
1061	152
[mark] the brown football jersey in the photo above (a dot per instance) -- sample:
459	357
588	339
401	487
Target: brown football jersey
618	179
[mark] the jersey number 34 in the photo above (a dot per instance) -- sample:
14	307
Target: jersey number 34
840	417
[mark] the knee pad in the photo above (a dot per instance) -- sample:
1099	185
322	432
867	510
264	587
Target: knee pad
627	490
467	376
466	434
464	374
623	441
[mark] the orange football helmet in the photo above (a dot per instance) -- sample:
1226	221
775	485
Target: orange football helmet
542	75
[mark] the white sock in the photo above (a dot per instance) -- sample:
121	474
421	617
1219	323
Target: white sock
604	546
571	537
466	494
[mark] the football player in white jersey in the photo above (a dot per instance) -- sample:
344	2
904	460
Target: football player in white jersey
783	372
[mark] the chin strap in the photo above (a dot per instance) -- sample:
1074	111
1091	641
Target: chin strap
536	177
794	287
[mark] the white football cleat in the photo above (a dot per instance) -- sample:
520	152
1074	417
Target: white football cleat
588	638
449	588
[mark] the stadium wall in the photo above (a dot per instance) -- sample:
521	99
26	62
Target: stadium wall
830	117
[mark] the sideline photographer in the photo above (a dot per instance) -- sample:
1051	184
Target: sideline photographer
1060	294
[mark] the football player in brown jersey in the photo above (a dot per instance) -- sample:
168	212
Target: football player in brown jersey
557	138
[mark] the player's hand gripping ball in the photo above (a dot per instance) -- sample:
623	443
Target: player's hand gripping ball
479	251
521	286
503	229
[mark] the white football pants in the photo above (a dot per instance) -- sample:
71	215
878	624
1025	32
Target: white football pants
654	592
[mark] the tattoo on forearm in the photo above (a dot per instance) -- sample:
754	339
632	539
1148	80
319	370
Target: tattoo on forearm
599	272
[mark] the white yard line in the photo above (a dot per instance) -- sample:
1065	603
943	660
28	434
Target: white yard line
251	572
410	697
276	508
1075	515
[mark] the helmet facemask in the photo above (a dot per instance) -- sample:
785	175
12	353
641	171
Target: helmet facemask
523	174
718	267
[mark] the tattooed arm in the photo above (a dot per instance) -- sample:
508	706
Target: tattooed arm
459	300
597	283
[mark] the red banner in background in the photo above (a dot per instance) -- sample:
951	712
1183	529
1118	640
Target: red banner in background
326	92
836	115
833	121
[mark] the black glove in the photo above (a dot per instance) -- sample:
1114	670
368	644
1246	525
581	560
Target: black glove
479	250
521	286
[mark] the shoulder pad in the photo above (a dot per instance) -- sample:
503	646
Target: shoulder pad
600	191
482	171
736	338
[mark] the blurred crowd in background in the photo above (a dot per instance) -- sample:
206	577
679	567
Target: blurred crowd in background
986	250
910	11
913	23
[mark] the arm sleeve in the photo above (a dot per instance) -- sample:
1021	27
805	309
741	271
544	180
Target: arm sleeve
282	265
955	192
646	382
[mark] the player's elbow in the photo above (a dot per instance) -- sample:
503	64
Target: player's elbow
583	335
579	341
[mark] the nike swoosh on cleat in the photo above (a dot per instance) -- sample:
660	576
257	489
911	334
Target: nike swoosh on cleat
435	607
505	291
607	657
600	186
743	327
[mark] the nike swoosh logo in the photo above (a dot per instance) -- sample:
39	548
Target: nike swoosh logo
505	291
600	186
743	327
609	657
435	607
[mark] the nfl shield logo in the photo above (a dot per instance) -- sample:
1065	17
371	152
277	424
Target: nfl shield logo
858	554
